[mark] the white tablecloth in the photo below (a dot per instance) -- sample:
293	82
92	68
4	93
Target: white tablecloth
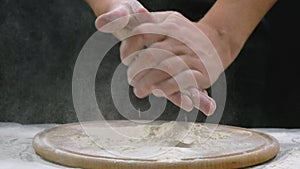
16	150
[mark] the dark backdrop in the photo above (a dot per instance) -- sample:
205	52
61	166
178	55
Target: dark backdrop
40	41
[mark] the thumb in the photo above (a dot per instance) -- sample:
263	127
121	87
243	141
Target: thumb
113	20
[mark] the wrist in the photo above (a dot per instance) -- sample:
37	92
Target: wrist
227	47
100	7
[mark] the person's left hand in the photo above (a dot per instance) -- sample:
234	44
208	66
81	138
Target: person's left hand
171	57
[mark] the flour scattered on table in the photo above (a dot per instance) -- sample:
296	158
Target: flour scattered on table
170	141
291	160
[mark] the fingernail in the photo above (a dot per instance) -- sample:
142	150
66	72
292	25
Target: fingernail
212	107
186	103
158	93
202	101
137	92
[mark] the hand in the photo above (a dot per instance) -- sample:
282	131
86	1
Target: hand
179	61
119	17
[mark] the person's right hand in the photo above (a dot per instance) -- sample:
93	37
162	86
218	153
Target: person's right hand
118	17
172	57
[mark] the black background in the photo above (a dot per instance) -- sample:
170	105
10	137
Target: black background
40	41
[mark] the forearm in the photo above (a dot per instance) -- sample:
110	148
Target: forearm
233	22
100	6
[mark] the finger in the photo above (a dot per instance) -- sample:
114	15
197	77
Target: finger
156	55
135	20
113	21
164	70
136	43
146	59
134	6
118	11
179	99
202	101
182	101
139	17
145	35
167	68
160	76
186	79
162	23
160	17
173	46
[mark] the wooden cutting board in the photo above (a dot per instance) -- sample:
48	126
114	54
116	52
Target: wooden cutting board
67	145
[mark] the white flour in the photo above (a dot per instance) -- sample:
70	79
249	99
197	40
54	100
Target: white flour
170	141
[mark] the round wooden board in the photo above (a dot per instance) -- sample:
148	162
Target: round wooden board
56	145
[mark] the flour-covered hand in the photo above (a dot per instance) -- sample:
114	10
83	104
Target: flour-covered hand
171	57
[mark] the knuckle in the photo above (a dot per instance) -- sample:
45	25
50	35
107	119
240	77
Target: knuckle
195	73
158	45
203	80
143	29
182	62
171	26
165	66
148	56
136	31
198	79
176	14
190	73
162	48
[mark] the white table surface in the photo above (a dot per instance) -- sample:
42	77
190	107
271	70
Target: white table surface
16	150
